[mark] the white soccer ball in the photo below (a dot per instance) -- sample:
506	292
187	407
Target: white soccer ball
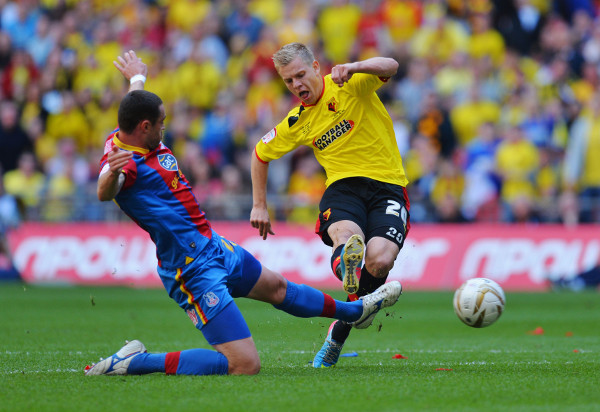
479	302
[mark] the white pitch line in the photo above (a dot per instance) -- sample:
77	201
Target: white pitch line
429	364
56	352
415	351
30	372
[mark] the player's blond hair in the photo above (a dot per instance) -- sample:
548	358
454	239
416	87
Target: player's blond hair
289	52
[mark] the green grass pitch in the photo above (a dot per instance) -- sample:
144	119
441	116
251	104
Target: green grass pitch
49	334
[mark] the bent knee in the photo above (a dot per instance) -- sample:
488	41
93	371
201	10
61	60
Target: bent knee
380	257
379	266
280	290
274	288
245	367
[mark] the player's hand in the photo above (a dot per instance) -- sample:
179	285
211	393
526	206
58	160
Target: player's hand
259	218
340	74
130	65
118	159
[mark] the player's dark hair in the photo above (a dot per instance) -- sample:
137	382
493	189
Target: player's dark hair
137	106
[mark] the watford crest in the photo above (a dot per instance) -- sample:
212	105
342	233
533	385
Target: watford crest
332	105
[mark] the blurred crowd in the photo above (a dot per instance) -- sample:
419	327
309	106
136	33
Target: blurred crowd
496	105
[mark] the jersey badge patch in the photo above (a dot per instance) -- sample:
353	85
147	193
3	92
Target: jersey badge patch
269	136
108	146
326	214
193	317
167	161
211	299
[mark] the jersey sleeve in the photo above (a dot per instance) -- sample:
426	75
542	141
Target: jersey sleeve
361	84
130	170
278	141
108	144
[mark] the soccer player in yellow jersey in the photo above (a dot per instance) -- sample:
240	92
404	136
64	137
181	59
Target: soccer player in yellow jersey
342	119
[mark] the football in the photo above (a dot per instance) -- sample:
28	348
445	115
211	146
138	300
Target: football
479	302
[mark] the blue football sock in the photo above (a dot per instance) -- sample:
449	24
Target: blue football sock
186	362
147	363
348	311
196	362
305	302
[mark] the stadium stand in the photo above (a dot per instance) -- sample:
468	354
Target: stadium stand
487	102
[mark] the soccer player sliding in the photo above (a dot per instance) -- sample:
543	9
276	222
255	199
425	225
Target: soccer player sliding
202	271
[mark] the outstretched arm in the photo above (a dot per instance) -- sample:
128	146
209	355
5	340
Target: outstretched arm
132	68
379	66
111	178
259	216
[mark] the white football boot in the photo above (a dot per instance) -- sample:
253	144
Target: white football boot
118	363
385	296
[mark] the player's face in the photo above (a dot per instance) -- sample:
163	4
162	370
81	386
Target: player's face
303	80
155	135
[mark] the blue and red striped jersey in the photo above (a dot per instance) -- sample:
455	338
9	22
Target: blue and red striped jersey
157	196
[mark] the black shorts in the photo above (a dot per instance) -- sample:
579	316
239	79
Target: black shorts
380	209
